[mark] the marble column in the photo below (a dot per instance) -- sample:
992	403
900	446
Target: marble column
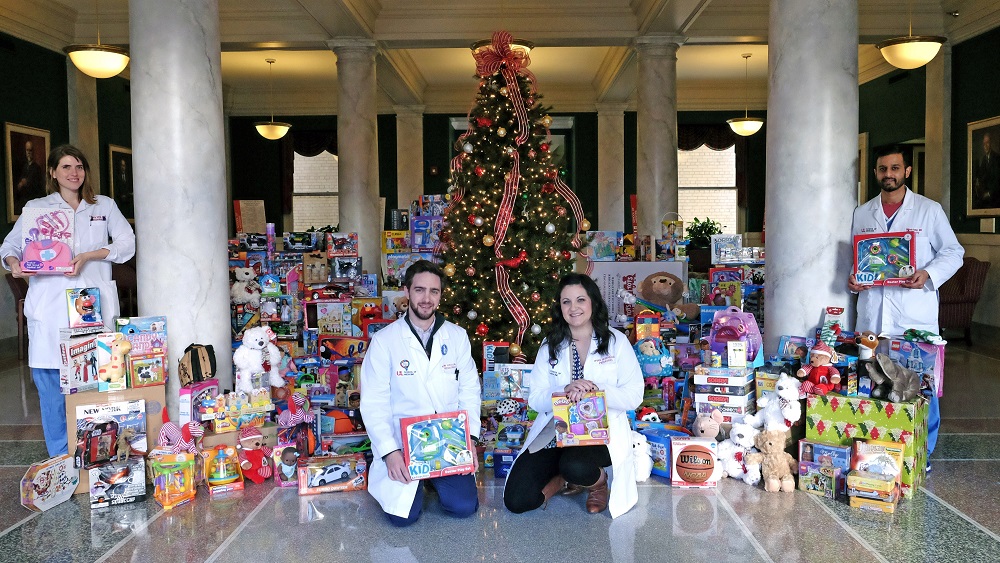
357	143
180	176
656	171
812	152
83	128
936	181
611	168
409	154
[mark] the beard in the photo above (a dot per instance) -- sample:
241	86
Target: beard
890	187
416	312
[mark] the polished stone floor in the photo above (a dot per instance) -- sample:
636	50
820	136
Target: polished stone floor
953	517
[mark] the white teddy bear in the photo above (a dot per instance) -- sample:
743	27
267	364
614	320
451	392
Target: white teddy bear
257	355
780	409
734	450
642	457
245	289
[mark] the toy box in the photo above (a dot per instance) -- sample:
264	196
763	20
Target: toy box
341	244
604	245
835	419
432	204
399	219
659	448
424	232
362	309
48	483
437	445
503	460
396	264
821	480
118	483
730	413
147	335
173	479
84	307
726	248
329	317
737	377
335	347
112	362
346	268
692	462
513	380
495	353
395	241
726	389
47	240
126	415
191	397
828	455
584	423
299	241
636	278
78	362
223	473
726	400
921	357
286	464
334	473
884	258
147	369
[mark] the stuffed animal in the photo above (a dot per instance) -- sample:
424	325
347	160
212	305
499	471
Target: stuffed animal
867	342
296	413
287	468
915	335
257	355
820	375
255	457
180	439
709	426
114	370
647	414
777	465
642	457
245	289
733	453
123	445
667	290
780	409
892	381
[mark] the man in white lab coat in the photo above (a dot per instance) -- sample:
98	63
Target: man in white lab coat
419	365
914	304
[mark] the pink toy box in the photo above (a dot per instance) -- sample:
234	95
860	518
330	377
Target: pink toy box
47	236
437	445
584	423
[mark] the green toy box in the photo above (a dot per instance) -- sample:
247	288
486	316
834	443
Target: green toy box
835	419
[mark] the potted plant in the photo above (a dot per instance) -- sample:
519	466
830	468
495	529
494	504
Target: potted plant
699	251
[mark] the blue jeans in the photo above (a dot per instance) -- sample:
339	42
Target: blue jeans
933	423
52	404
458	494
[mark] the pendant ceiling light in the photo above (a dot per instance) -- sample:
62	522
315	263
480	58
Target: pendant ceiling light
911	51
746	126
99	61
271	130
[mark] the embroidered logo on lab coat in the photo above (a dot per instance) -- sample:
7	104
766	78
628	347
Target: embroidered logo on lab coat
404	364
444	349
553	362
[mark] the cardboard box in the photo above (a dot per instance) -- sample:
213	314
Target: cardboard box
611	277
48	483
155	403
584	423
118	483
437	445
835	419
211	439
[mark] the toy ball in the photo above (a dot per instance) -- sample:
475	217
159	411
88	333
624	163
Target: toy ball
695	463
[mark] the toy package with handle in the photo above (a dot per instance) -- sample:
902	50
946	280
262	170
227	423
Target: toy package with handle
437	445
732	324
584	423
885	258
47	237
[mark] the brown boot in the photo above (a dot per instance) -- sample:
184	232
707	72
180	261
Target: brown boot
597	494
552	488
572	489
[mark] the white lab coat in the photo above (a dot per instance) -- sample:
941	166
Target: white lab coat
398	380
617	374
895	309
45	306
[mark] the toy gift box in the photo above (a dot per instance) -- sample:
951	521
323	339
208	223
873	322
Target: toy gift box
48	483
835	419
584	423
78	362
437	445
47	237
118	483
334	473
84	307
921	357
884	258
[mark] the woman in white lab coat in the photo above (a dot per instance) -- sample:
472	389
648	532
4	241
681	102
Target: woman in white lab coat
95	218
581	353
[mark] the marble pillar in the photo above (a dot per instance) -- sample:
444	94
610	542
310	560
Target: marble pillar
812	152
410	154
936	181
83	128
357	143
611	168
656	170
179	170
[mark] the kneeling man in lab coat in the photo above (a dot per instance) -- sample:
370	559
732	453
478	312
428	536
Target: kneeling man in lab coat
421	364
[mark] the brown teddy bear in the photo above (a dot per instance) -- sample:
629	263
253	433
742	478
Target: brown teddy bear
777	466
667	290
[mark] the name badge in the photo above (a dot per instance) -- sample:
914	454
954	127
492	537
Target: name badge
98	218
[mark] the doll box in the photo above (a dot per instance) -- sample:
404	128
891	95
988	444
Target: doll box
48	483
820	480
884	258
584	423
334	473
118	483
839	420
286	465
692	462
437	445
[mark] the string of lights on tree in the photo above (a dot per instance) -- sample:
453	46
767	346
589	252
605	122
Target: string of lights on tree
512	227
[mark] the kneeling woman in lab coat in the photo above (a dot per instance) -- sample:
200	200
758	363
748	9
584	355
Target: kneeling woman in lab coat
580	354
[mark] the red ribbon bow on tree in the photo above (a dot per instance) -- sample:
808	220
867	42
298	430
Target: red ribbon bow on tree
489	59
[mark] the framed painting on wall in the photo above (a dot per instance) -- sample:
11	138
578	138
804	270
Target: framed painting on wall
120	165
983	171
26	151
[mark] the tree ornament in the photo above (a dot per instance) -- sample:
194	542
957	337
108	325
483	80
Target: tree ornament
560	211
509	150
449	270
484	121
514	349
479	170
488	240
548	187
503	90
551	173
478	221
501	132
554	275
536	330
532	153
547	121
550	228
482	329
535	296
467	147
563	172
544	147
472	219
470	271
585	225
567	254
457	309
472	314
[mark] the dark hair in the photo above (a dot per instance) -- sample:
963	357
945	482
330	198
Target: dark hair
57	154
893	149
559	333
420	267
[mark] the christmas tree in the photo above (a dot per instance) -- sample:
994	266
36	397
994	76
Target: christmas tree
512	226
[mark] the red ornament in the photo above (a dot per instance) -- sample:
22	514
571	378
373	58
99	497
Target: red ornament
479	171
535	296
554	275
472	219
551	174
458	310
482	329
484	121
532	153
560	211
470	271
544	147
567	254
548	187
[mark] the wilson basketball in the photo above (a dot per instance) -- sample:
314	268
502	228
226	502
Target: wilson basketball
694	463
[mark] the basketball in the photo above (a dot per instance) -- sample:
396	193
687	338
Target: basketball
694	463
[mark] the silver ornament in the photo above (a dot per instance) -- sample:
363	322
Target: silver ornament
536	330
472	315
501	132
550	228
478	221
467	147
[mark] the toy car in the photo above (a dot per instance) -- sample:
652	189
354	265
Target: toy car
329	474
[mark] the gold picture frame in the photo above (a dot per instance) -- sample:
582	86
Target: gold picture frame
120	186
26	174
983	168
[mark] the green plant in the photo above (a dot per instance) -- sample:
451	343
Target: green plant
700	232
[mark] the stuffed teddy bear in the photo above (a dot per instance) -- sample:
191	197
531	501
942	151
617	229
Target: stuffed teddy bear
245	289
114	370
667	290
780	409
820	375
257	355
892	381
255	457
778	467
733	453
709	426
642	456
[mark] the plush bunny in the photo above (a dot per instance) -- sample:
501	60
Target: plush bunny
257	355
641	456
